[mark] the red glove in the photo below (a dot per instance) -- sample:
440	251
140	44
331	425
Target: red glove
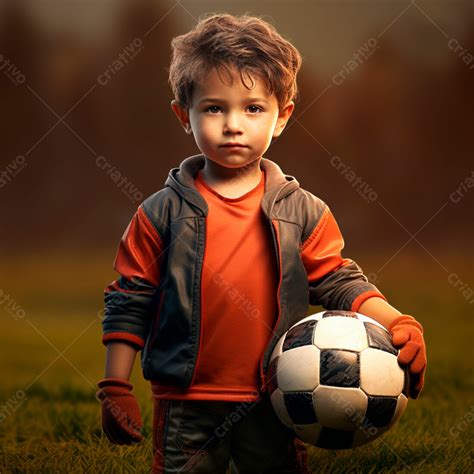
407	333
121	420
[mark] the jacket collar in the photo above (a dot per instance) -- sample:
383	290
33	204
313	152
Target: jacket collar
277	184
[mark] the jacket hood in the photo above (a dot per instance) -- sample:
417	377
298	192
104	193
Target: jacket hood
277	184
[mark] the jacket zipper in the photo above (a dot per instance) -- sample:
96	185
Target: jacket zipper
277	248
204	225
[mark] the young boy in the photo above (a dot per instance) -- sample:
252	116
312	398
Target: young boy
216	266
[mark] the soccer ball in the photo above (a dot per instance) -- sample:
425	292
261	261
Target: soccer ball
334	379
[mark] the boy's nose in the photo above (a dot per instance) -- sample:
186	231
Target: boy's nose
232	124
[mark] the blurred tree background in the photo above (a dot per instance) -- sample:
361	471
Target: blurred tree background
401	119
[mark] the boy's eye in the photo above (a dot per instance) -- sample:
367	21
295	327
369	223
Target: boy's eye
212	107
255	108
216	108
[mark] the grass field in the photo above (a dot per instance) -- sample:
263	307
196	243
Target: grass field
51	358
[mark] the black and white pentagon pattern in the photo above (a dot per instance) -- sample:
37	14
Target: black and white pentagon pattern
299	406
324	437
340	332
379	338
293	374
272	381
299	335
380	410
368	430
355	429
335	380
380	373
339	368
337	407
278	403
332	313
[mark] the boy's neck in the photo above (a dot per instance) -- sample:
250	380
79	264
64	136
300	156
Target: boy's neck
215	174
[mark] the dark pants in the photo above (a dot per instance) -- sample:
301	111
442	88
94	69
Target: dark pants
197	436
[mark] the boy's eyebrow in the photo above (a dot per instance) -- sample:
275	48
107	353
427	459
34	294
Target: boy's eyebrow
248	99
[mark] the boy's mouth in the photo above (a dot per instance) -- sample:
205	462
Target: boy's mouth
234	145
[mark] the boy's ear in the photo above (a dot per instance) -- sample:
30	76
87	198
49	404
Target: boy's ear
283	118
183	116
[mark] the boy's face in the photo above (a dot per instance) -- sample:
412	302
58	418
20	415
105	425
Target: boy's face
223	113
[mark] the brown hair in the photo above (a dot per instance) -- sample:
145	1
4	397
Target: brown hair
222	40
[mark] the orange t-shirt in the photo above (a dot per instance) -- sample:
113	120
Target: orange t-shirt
239	304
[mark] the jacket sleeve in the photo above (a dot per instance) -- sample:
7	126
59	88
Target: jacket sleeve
334	282
130	300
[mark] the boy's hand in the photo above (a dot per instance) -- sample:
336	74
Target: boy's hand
121	420
407	333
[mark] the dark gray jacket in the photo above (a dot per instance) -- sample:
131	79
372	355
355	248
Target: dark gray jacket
163	317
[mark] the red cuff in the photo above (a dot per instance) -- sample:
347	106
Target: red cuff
407	320
357	303
123	336
115	382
